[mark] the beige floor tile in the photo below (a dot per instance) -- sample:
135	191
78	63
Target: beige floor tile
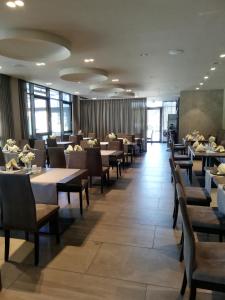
53	284
138	264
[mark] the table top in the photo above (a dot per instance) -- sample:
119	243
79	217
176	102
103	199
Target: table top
205	154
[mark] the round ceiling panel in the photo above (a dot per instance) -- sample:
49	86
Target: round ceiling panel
108	89
83	75
33	45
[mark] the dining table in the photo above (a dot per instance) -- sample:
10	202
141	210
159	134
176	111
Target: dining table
10	155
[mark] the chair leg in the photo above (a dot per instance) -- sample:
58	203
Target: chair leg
87	195
176	209
181	252
221	237
90	181
120	169
190	175
117	172
26	235
102	181
54	223
81	203
36	248
192	292
7	244
68	197
184	284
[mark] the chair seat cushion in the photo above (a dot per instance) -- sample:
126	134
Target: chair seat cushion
206	218
184	163
197	196
44	211
210	262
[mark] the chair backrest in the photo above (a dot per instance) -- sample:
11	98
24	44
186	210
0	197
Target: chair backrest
22	143
58	138
189	239
51	143
39	144
121	135
40	158
18	203
84	144
173	169
65	138
78	160
56	157
2	158
116	145
179	178
172	149
94	161
92	135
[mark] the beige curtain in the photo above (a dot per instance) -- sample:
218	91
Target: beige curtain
76	114
113	115
6	117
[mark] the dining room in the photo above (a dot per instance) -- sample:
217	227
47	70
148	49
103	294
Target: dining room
112	150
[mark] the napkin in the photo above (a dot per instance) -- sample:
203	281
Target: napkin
77	148
26	147
196	144
221	169
220	149
12	164
200	148
69	149
212	139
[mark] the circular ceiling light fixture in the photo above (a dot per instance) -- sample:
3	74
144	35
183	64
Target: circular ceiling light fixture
197	88
33	45
212	68
206	77
11	4
19	3
89	60
115	80
83	75
222	55
176	51
201	83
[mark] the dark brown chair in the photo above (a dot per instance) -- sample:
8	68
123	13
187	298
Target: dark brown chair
116	162
39	144
20	211
204	262
178	157
56	157
22	143
194	195
2	158
128	152
51	143
65	138
130	137
84	144
95	168
75	139
40	158
78	160
92	135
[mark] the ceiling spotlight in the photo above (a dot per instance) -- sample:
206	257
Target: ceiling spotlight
206	77
201	83
48	83
76	93
213	68
222	55
128	91
144	54
11	4
176	51
19	3
89	60
197	88
94	98
115	80
40	64
0	67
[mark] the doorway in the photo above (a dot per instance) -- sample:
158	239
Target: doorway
154	124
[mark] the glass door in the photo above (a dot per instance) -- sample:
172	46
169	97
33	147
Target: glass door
154	124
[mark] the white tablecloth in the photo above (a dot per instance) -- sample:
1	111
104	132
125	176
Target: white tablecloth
221	199
10	155
44	185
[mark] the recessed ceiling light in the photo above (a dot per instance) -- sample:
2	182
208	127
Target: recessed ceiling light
76	93
48	83
0	67
206	77
222	55
94	98
201	83
128	91
19	3
144	54
115	80
40	64
197	88
11	4
176	51
213	69
89	60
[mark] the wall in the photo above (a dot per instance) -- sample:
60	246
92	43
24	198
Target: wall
201	110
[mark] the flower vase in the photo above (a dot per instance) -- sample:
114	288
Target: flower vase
28	166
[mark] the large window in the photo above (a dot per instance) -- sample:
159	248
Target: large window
49	111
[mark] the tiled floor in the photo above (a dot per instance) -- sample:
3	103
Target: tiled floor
122	249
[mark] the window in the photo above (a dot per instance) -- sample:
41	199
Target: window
49	111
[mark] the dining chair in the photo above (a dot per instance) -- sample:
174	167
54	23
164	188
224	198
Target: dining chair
78	160
84	144
130	137
116	162
177	147
51	143
2	158
65	138
128	152
39	144
92	135
56	157
186	164
20	211
204	261
194	195
40	158
94	165
75	139
23	142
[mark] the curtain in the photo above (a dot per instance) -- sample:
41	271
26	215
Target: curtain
6	117
113	115
76	113
23	109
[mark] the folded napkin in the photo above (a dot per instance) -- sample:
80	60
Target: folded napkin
26	147
196	144
77	148
220	149
200	148
69	149
221	169
201	138
12	164
213	145
212	139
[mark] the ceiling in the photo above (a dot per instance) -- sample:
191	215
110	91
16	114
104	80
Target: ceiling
116	33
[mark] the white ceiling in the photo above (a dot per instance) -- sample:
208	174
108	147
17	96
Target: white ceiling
115	33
